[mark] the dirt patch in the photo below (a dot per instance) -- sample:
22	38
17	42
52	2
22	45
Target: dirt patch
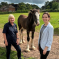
54	53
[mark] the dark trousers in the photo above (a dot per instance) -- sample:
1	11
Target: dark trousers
8	49
41	53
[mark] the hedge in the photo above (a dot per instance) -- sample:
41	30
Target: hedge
50	10
18	11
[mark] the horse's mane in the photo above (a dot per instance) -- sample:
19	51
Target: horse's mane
30	20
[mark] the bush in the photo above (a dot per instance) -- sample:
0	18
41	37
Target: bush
6	12
18	11
22	11
50	10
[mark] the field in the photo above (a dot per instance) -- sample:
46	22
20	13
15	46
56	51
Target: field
55	46
54	20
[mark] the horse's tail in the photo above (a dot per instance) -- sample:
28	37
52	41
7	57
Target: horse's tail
18	21
19	25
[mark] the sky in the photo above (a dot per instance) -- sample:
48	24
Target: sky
39	3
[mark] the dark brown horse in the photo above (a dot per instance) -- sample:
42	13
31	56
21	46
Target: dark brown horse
29	23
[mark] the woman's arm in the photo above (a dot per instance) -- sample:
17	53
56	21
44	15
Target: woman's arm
50	39
6	43
17	35
17	41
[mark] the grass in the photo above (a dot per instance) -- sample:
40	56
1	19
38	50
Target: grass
13	54
54	20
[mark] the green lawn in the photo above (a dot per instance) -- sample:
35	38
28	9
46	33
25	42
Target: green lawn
3	54
54	20
13	54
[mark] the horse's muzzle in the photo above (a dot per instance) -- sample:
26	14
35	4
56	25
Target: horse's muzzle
38	24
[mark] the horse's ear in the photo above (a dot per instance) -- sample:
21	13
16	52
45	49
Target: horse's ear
31	10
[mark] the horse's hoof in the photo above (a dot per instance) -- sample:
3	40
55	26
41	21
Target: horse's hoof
27	50
23	41
20	43
33	48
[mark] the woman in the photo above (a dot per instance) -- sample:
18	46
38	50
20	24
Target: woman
10	35
45	36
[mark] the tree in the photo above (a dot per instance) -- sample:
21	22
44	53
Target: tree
28	6
55	5
46	4
50	4
22	6
35	6
56	0
48	7
4	3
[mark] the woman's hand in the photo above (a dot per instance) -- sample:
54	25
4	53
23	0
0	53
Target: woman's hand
45	50
17	42
6	43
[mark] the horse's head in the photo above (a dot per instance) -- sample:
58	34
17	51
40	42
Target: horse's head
35	14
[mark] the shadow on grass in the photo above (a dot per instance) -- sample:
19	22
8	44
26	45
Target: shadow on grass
13	54
56	31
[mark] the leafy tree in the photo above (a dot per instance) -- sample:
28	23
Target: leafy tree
28	6
48	7
50	4
54	5
4	3
35	6
46	4
21	6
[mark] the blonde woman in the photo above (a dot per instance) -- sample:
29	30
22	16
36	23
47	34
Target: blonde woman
10	35
45	36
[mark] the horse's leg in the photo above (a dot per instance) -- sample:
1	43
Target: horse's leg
32	42
20	33
28	38
22	36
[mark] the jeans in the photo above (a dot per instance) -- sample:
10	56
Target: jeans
8	49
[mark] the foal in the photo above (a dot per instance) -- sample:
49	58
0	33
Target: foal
29	23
